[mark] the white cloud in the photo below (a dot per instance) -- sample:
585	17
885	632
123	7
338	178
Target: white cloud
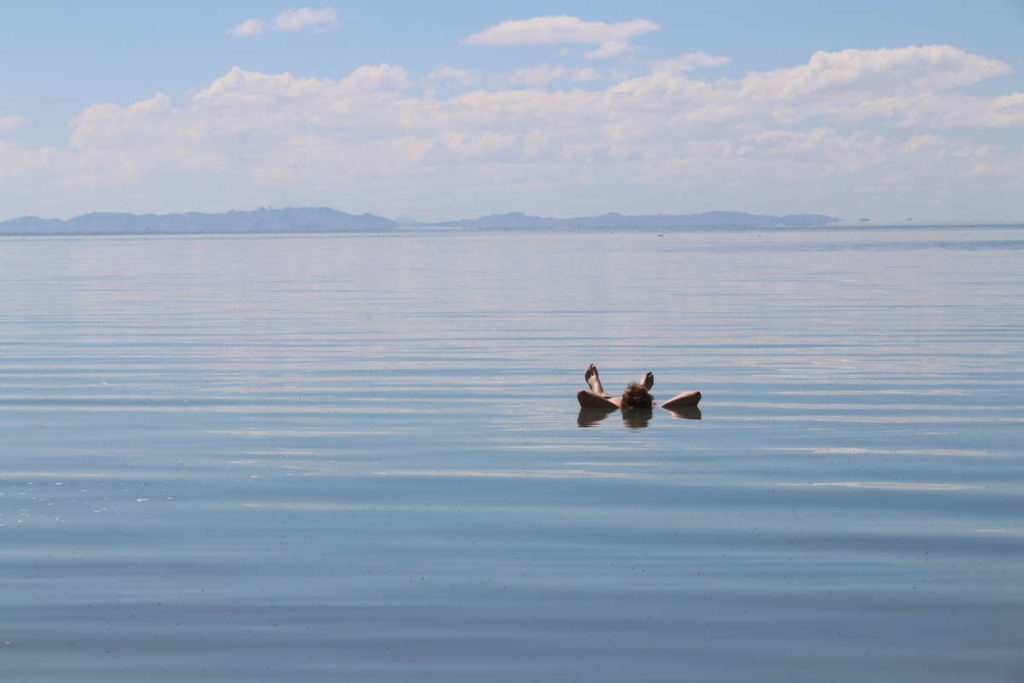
842	133
290	21
560	30
585	74
108	125
303	18
249	28
689	62
612	48
543	74
908	69
9	123
448	74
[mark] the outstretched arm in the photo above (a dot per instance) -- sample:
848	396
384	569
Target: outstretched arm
687	399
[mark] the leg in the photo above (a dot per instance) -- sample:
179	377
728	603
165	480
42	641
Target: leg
591	399
684	400
594	380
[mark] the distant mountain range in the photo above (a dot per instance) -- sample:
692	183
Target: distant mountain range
330	220
260	220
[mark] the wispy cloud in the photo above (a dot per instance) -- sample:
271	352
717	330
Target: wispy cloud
689	62
289	21
449	74
544	74
607	50
9	123
306	18
612	39
249	28
530	77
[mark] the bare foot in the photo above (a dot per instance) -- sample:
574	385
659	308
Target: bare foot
647	380
593	380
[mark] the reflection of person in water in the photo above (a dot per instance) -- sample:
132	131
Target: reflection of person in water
636	402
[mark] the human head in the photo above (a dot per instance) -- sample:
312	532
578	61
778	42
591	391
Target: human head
636	397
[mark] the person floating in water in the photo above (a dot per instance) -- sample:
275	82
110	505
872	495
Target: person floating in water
636	397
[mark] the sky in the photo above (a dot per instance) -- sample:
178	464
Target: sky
893	111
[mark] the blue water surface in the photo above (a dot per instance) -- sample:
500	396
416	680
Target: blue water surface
359	457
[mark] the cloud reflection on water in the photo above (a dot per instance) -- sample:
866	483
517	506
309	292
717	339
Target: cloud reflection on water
513	474
887	485
942	452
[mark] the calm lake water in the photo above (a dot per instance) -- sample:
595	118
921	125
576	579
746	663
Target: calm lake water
359	457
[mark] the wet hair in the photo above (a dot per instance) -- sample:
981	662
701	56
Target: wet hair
636	396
